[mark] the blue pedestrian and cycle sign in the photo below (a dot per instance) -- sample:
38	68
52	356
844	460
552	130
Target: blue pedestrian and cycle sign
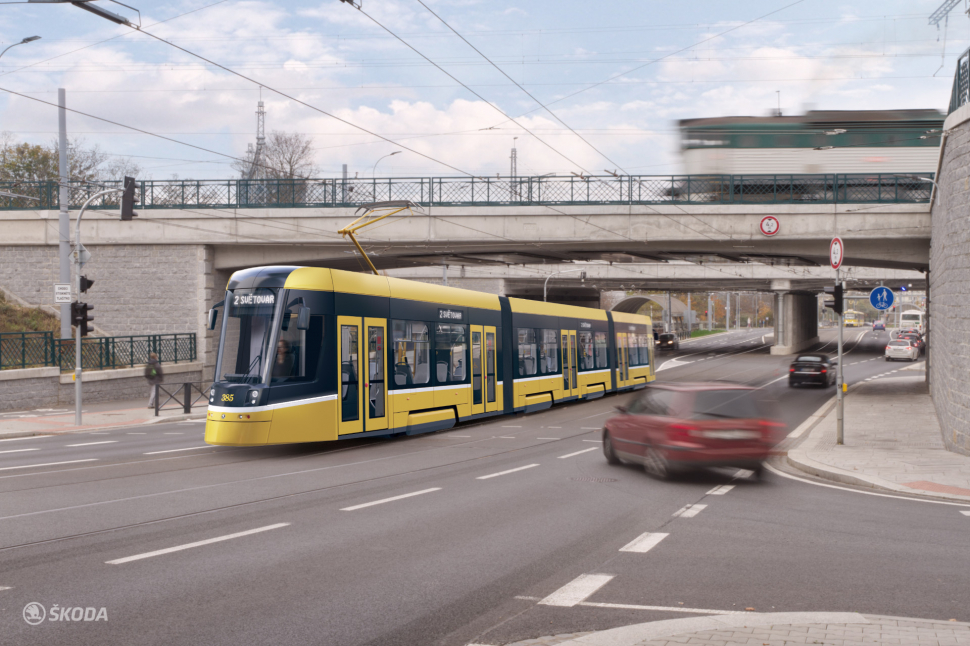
882	298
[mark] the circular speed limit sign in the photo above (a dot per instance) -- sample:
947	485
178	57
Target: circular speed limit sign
769	225
836	252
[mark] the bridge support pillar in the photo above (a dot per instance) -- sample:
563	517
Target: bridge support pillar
796	322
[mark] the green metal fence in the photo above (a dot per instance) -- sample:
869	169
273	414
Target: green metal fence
485	191
39	349
960	95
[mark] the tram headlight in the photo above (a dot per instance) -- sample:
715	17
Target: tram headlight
253	396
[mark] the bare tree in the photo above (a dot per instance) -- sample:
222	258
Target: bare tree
284	156
23	162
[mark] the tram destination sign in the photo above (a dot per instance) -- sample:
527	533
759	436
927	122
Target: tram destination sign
264	298
450	315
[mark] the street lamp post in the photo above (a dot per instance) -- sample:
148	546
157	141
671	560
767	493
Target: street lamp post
545	283
77	287
29	39
374	170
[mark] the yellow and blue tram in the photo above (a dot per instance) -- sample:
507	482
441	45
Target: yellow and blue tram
309	354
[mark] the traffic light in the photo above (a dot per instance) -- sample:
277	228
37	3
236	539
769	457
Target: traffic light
80	317
128	200
836	292
85	283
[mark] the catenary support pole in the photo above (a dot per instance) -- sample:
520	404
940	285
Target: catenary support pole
926	328
64	218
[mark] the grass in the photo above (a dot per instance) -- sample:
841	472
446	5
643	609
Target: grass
698	333
14	318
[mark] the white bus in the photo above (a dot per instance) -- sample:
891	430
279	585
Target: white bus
911	319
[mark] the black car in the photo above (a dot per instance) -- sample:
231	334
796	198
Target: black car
668	341
914	338
814	368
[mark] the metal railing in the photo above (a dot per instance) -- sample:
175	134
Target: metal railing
39	349
182	395
486	191
960	95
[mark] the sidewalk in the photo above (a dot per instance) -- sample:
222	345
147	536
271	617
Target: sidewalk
774	629
892	441
46	421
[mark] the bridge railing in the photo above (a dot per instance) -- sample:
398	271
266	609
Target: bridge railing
960	95
498	191
40	349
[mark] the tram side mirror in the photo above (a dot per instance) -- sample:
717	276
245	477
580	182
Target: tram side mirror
213	317
303	318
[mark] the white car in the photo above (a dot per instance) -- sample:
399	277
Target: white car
901	349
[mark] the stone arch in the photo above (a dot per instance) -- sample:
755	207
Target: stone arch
632	304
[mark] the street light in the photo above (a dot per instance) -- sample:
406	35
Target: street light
374	170
935	185
565	271
29	39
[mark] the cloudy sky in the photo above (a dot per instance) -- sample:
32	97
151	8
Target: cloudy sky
619	74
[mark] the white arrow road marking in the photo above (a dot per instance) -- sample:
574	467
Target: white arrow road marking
673	363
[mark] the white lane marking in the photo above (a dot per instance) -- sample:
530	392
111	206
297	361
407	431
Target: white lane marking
93	443
689	511
743	473
392	499
19	450
547	438
720	490
47	464
672	363
191	448
643	543
511	427
29	437
965	513
554	427
867	493
589	428
502	473
209	541
569	455
577	590
173	433
625	606
506	437
137	433
596	441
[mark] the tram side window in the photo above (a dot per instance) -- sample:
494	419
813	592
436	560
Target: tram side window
585	350
297	351
527	352
645	342
633	343
600	343
451	349
549	352
412	352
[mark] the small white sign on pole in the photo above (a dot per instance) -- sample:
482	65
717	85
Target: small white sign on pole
62	292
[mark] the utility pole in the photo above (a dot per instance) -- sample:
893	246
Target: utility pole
64	218
727	311
840	402
710	313
690	317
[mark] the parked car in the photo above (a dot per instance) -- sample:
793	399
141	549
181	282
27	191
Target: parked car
878	325
676	426
901	349
815	368
668	341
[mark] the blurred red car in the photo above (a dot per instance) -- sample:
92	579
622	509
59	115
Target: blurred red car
677	426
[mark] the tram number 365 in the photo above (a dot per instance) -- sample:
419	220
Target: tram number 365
227	398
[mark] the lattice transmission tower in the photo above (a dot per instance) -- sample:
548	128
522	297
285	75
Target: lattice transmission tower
256	169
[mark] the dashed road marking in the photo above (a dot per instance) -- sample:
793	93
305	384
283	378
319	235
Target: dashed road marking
643	543
689	511
191	448
720	490
93	443
577	590
965	513
626	606
502	473
47	464
589	428
209	541
569	455
596	441
391	499
506	437
19	450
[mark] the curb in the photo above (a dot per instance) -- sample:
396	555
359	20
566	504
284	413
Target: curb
155	420
631	635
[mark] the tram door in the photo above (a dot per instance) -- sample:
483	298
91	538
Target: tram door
570	388
375	384
491	358
478	373
351	408
622	359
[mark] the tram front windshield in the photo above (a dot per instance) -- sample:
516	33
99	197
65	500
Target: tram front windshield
248	333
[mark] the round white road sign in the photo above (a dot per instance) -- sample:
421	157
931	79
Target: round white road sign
769	225
836	252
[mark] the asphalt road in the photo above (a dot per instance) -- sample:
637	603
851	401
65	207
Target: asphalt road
493	533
